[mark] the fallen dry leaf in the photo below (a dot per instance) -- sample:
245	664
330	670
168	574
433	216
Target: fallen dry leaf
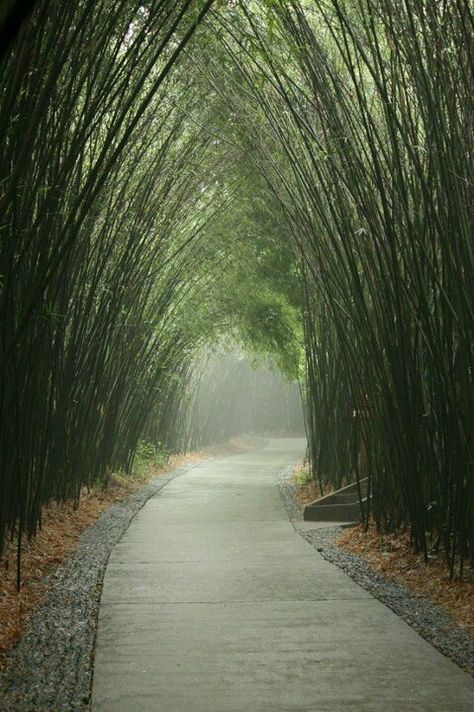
61	528
395	558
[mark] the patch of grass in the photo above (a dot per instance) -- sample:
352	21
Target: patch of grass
306	487
302	475
148	457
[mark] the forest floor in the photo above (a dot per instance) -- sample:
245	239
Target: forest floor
306	489
392	557
62	526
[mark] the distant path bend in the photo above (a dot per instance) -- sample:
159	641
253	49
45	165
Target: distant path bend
213	603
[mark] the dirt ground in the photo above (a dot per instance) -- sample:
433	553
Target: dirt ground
394	558
61	528
62	525
306	489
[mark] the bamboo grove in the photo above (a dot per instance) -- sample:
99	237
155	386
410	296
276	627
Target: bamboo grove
89	149
292	176
369	150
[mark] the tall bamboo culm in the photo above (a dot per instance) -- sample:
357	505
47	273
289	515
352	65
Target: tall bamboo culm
370	104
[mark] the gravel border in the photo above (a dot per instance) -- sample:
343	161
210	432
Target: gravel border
50	668
431	622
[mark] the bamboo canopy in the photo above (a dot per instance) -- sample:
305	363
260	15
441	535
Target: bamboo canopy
293	177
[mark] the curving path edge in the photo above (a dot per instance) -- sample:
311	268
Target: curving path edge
213	603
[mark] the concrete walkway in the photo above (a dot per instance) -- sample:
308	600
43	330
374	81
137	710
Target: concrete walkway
212	603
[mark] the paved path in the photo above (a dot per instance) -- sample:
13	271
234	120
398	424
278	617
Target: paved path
212	603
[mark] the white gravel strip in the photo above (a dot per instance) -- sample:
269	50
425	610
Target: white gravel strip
50	669
429	621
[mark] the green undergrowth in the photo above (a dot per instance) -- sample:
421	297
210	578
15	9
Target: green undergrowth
149	456
302	475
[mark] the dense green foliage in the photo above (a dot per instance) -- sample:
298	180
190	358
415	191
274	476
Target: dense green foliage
294	177
112	261
371	107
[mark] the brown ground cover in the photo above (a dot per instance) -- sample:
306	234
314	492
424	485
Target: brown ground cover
61	528
393	557
306	488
